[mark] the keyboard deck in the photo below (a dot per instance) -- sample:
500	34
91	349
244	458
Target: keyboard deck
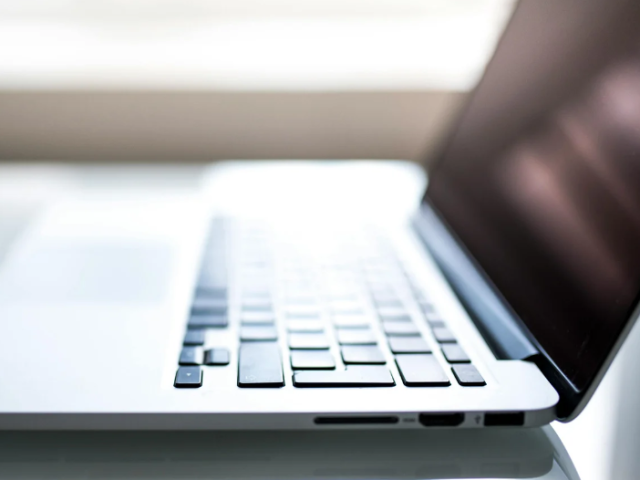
340	298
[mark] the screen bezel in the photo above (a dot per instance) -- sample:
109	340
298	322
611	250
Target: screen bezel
518	32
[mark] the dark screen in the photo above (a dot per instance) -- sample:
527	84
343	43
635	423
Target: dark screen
541	179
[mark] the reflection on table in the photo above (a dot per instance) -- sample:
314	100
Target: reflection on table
368	454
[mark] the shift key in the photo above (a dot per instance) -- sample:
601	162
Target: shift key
260	365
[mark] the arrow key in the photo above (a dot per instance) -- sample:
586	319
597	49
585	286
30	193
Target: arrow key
188	377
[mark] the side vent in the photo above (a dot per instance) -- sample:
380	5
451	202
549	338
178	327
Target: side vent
382	420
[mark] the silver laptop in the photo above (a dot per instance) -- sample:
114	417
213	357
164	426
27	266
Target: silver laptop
499	301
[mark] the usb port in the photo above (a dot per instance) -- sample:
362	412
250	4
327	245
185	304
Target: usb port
510	419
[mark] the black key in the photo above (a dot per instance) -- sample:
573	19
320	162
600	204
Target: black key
388	302
301	299
351	377
384	296
408	345
211	283
362	355
351	321
346	307
217	293
257	305
454	353
216	356
433	317
308	341
208	321
443	335
426	305
436	323
258	334
209	305
302	311
342	296
312	360
421	370
194	337
400	329
190	356
356	337
394	314
468	376
252	294
260	365
305	326
257	318
188	377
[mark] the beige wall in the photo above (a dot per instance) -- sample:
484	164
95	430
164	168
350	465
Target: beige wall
207	125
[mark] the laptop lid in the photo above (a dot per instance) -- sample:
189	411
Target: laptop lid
540	183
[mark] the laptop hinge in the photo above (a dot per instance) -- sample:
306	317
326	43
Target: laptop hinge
496	322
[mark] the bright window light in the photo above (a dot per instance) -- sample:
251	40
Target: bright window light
247	44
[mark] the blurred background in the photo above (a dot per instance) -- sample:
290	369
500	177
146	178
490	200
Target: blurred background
140	94
201	80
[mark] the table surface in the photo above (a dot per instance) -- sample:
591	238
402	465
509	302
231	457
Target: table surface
601	442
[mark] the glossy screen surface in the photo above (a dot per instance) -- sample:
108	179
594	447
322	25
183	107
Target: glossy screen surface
541	179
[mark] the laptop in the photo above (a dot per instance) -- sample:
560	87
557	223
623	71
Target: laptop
499	301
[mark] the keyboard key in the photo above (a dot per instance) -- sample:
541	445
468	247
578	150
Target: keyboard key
391	302
253	294
346	307
468	376
426	306
400	329
211	283
454	353
190	356
301	299
209	305
421	371
357	376
443	335
351	321
260	365
257	305
432	317
362	354
308	341
408	345
305	326
217	293
356	337
188	377
194	337
302	311
258	334
216	356
208	321
257	318
394	314
312	360
436	323
341	296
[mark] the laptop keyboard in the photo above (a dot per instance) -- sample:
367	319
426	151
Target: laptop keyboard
335	310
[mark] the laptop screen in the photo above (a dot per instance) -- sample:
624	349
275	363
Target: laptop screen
541	179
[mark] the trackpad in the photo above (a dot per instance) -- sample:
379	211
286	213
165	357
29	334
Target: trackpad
90	271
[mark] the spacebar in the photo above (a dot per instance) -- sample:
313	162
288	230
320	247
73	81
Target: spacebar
351	377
